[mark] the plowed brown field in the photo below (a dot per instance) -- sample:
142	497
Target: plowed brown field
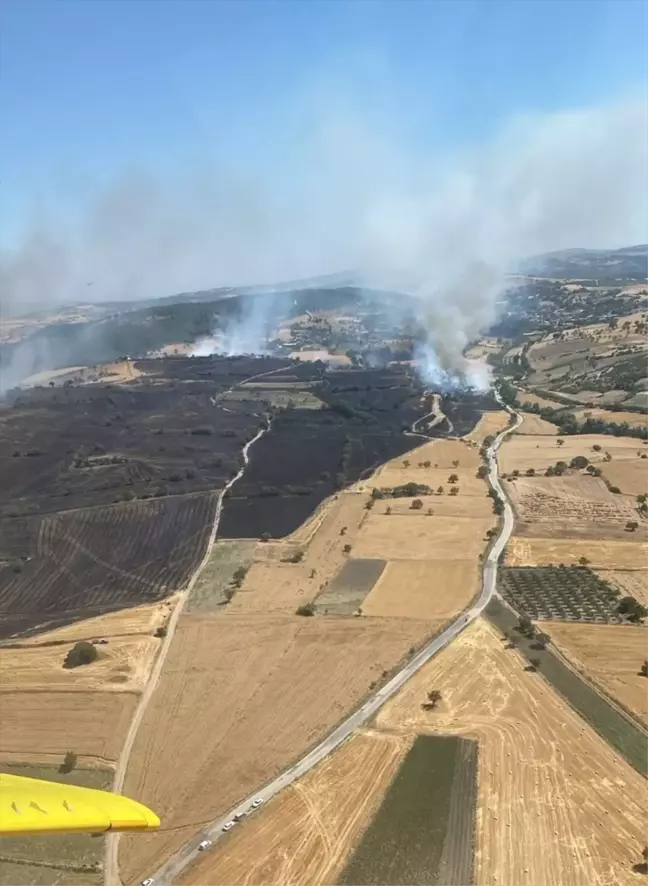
39	724
307	832
555	803
602	554
610	655
240	697
436	590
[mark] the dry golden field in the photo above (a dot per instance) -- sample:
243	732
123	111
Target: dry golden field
527	451
536	426
240	697
529	399
555	803
634	419
611	655
42	724
634	584
307	831
123	665
435	590
274	586
574	504
490	424
602	554
420	537
138	620
629	474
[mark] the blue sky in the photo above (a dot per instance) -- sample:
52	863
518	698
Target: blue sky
90	89
157	146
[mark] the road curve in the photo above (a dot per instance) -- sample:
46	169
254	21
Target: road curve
111	866
185	856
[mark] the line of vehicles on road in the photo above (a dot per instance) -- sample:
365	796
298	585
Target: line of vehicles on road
207	844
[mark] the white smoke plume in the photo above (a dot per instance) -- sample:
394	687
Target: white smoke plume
447	226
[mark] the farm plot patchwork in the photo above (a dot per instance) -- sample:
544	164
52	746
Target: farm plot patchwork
308	830
100	559
542	770
558	593
538	452
409	840
264	689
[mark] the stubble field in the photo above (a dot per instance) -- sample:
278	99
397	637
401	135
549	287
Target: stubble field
490	424
535	425
422	537
548	794
263	688
308	830
629	474
611	656
436	590
634	584
602	554
522	452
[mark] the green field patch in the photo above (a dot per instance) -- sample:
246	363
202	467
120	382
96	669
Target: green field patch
52	859
616	728
217	580
346	593
423	832
559	593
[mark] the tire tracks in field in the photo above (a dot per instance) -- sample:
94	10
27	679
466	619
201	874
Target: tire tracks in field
111	862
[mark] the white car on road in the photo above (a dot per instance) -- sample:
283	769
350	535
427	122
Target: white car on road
147	882
257	802
229	826
206	844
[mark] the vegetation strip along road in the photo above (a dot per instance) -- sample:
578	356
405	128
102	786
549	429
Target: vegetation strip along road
614	726
112	840
177	863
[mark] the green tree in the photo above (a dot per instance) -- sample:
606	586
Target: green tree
631	525
416	505
482	472
69	762
583	561
307	609
347	549
560	441
453	478
579	462
82	653
434	697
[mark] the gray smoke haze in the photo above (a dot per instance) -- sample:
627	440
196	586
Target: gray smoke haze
448	227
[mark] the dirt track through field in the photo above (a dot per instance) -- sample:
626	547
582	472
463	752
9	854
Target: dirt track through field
549	807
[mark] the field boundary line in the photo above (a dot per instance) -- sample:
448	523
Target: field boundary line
111	863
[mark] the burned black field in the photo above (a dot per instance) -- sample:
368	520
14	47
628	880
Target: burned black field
109	491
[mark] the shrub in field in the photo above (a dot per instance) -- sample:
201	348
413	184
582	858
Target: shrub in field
82	653
297	557
161	631
643	670
631	525
632	608
482	471
69	762
347	549
579	462
416	505
307	609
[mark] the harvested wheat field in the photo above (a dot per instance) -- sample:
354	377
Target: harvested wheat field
555	803
436	590
633	583
123	665
521	451
533	424
442	455
420	537
464	504
629	474
528	399
602	554
308	831
92	724
275	586
240	697
611	656
490	424
634	419
573	504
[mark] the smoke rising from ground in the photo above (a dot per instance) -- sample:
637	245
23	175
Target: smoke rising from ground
446	228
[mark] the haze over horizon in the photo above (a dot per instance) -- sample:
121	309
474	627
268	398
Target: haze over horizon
159	148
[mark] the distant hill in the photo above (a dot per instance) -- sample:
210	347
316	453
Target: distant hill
628	263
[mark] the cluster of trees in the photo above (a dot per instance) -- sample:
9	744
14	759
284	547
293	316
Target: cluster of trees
633	609
407	490
567	423
82	653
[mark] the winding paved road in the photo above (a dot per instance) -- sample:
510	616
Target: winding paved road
178	862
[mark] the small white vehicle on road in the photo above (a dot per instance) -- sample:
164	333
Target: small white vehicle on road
239	816
229	825
257	802
206	844
147	882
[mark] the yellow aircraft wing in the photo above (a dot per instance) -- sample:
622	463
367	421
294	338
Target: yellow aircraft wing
30	805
